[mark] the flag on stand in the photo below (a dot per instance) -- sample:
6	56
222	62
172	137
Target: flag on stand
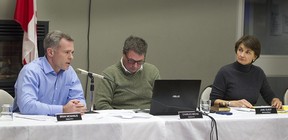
25	15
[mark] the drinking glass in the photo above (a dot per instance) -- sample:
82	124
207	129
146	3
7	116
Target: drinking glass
205	106
6	114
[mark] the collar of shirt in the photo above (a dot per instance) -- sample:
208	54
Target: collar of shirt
47	67
121	60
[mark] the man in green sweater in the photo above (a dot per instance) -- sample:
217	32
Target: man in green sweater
131	80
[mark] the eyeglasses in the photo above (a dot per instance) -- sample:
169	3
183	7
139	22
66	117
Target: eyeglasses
132	61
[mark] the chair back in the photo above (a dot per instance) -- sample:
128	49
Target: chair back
5	98
286	97
205	95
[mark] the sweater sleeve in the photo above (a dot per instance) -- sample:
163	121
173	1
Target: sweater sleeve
218	87
104	95
266	91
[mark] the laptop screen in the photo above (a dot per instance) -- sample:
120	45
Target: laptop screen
171	96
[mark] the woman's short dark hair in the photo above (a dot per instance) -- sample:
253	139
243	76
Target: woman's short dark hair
250	42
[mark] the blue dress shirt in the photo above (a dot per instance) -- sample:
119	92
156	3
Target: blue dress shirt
40	90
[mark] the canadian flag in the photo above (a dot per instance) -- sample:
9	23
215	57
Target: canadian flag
25	15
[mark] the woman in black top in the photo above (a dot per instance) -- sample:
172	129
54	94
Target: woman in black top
239	84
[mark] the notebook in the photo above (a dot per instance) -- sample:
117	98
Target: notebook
171	96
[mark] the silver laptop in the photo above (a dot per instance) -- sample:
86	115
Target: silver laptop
171	96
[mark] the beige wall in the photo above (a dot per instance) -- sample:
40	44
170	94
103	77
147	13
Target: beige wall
188	39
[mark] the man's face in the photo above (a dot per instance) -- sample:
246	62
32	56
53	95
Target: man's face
133	61
62	56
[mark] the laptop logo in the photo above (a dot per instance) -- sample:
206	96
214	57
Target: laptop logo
175	96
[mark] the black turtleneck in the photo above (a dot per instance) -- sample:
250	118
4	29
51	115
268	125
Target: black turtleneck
236	81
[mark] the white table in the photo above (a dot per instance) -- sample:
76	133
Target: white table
239	126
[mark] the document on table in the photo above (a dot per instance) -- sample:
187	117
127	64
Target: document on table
35	117
125	114
244	109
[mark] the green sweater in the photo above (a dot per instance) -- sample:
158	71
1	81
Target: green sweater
128	91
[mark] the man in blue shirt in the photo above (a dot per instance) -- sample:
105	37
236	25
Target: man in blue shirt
49	85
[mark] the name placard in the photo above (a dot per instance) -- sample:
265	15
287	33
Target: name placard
190	114
266	110
68	116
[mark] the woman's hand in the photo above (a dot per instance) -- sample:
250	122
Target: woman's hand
276	103
241	103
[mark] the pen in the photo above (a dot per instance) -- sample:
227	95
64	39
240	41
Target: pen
224	113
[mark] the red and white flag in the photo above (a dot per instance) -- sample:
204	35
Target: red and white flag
25	15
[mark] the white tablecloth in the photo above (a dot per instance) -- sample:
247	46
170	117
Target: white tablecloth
105	126
239	126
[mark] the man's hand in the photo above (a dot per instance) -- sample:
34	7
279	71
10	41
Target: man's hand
74	106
